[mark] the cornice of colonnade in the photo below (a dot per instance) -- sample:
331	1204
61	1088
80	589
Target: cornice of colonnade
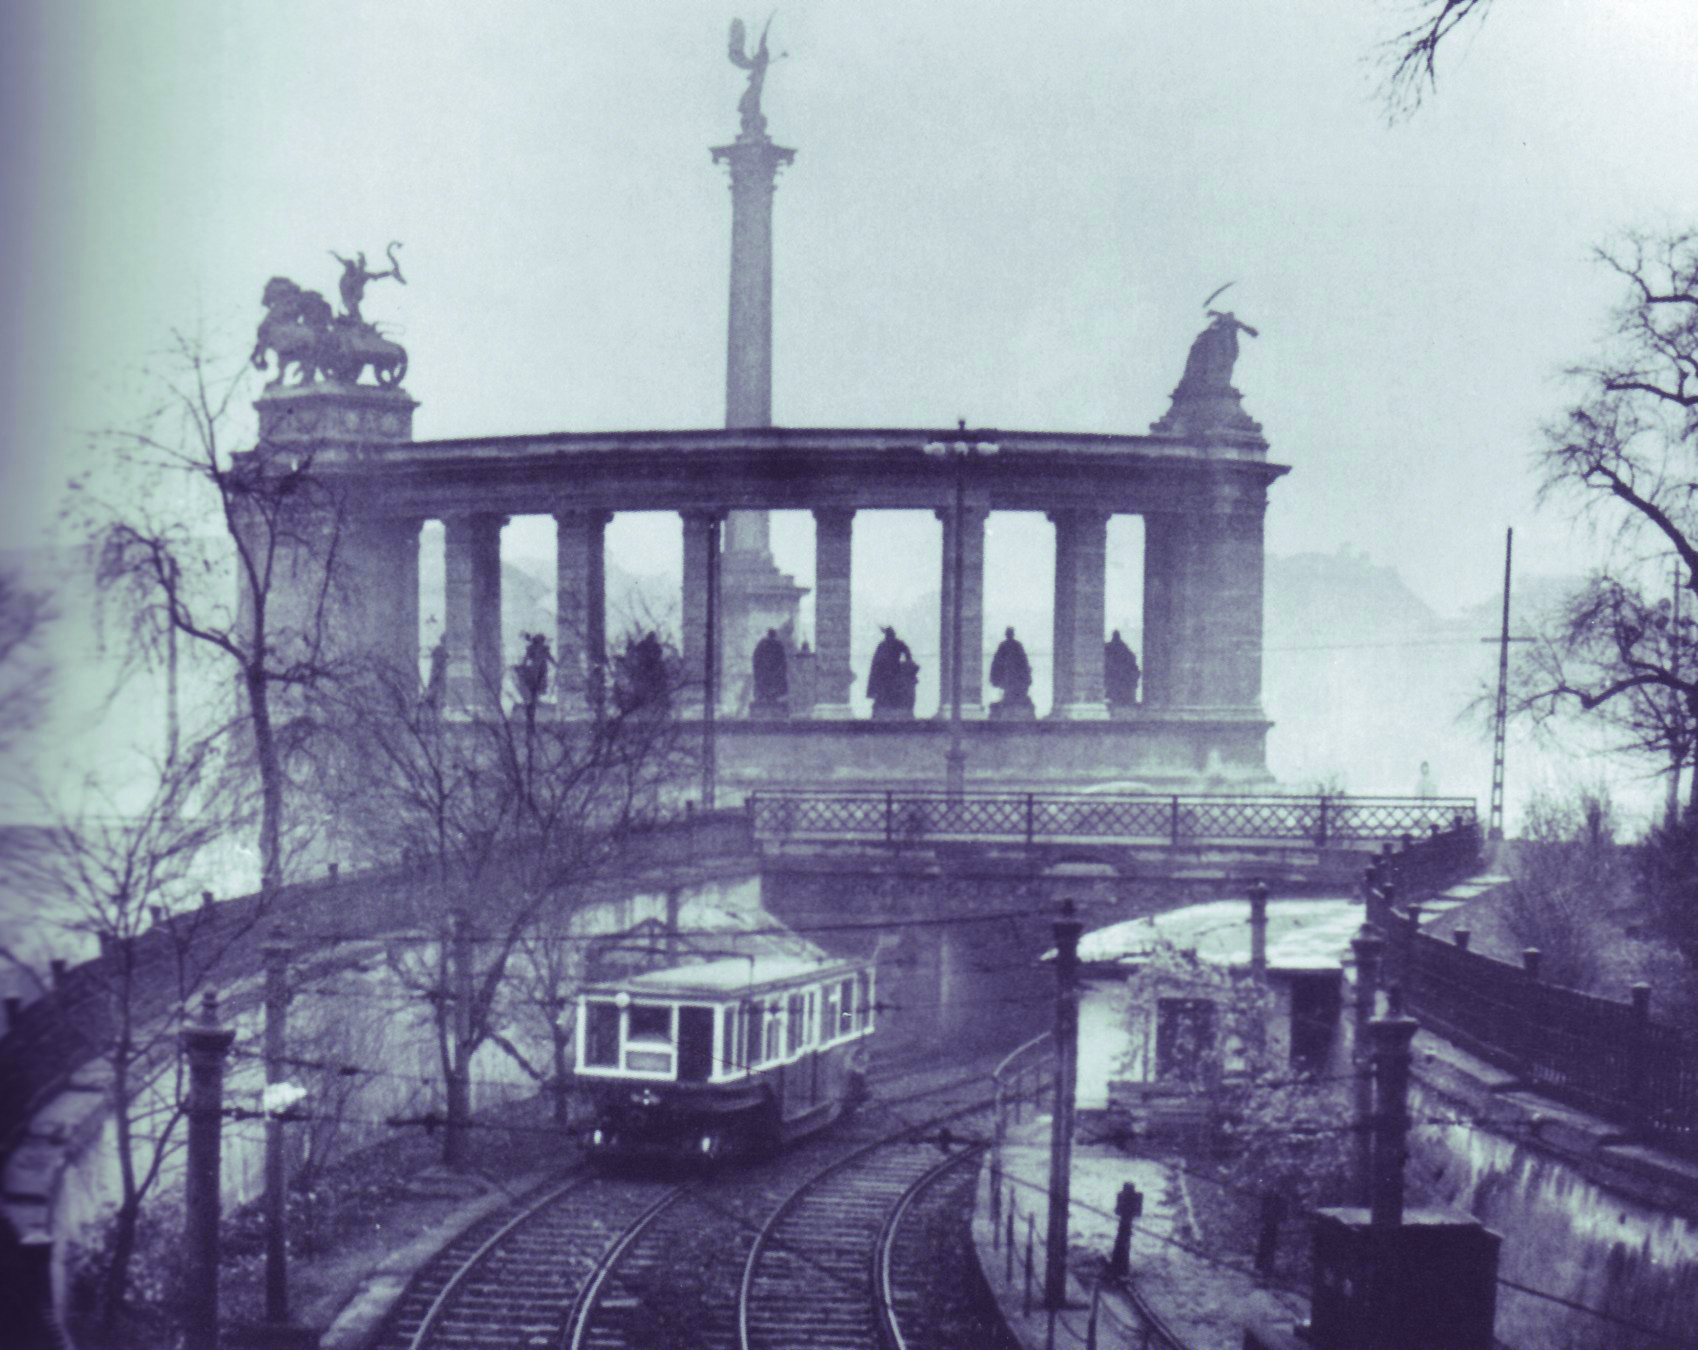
789	468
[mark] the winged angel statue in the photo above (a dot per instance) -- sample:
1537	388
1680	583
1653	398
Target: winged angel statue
749	106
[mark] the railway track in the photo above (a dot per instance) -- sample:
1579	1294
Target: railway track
773	1250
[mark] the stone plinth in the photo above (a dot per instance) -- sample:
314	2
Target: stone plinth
329	410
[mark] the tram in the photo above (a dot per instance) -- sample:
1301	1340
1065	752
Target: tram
721	1056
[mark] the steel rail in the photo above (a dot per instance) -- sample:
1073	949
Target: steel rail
764	1236
890	1329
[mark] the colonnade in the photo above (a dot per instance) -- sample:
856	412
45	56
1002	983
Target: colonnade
1202	605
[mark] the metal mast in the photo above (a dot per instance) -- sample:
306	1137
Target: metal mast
1501	718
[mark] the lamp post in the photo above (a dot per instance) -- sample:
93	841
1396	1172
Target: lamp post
958	452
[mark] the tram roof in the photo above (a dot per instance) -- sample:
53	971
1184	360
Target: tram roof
736	974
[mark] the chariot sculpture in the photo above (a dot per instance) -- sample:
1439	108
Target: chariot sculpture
302	331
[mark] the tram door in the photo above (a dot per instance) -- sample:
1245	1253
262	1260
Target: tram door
695	1044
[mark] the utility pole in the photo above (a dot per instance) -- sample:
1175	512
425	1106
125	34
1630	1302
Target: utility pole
206	1043
276	957
1067	930
1500	718
710	668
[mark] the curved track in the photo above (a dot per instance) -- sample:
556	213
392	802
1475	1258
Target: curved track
764	1254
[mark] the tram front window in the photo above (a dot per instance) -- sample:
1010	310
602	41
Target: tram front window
648	1040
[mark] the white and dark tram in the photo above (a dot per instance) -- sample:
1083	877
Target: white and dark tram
720	1056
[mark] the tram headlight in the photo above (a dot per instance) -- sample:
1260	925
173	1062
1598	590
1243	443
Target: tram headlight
598	1139
707	1145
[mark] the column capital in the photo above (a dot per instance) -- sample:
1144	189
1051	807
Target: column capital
704	515
834	515
582	515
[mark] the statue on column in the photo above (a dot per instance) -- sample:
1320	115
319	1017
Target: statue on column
1208	367
1011	672
532	674
1120	673
749	106
772	677
892	677
436	687
355	275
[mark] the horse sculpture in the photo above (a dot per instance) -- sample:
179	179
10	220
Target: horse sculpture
302	330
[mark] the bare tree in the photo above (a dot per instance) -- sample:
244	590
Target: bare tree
1622	459
509	820
1410	58
116	867
23	617
236	552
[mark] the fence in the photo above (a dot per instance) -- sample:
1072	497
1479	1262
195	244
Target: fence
1025	1086
1602	1056
899	818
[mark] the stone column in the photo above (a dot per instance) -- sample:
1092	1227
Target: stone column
754	162
580	646
472	618
1164	566
974	515
1203	606
1081	555
393	606
695	599
834	532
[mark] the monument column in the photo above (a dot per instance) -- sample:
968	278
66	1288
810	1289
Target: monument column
974	515
397	612
834	533
580	647
472	618
373	605
755	596
1166	536
1081	555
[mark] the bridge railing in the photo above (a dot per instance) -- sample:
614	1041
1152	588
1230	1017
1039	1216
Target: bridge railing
902	818
1601	1055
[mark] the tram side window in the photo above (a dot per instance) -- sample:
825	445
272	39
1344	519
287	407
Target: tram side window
752	1034
794	1016
601	1035
845	1020
813	1023
830	1027
774	1030
728	1039
864	997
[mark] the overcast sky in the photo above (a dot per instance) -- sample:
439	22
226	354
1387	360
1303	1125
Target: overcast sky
1007	212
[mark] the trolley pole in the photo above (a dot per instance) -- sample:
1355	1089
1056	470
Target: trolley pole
206	1043
1067	930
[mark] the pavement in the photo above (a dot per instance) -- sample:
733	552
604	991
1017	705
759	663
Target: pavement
1204	1302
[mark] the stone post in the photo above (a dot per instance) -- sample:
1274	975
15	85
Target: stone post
974	515
834	532
580	646
1368	946
1390	1039
472	621
206	1044
1081	550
